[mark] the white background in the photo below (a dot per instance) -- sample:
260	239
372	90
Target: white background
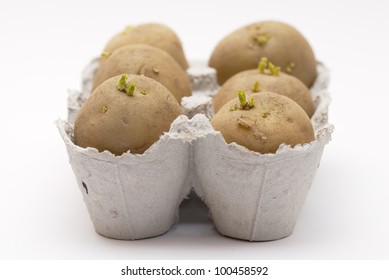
45	45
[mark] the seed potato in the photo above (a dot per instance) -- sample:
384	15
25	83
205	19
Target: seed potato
113	120
279	42
272	120
252	81
153	34
145	60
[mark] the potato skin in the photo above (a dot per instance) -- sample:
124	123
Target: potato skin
283	84
145	60
153	34
111	120
239	51
275	119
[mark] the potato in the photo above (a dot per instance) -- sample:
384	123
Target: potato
252	81
264	122
114	120
145	60
280	43
153	34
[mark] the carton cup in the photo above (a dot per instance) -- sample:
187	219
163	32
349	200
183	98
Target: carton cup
132	196
254	196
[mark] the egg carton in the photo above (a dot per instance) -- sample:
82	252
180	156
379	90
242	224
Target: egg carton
250	196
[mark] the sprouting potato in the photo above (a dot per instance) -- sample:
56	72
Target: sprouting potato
153	34
252	81
145	60
125	113
279	42
264	122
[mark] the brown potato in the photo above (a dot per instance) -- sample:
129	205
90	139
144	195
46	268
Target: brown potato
280	43
283	84
113	120
153	34
274	119
145	60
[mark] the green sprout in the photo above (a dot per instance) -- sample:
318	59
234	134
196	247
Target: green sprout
261	39
143	92
105	54
262	65
289	68
122	83
274	70
256	87
124	86
105	109
244	105
242	98
130	89
251	102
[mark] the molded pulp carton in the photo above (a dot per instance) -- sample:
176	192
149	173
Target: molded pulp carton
250	196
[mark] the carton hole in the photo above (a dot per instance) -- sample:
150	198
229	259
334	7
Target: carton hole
85	187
